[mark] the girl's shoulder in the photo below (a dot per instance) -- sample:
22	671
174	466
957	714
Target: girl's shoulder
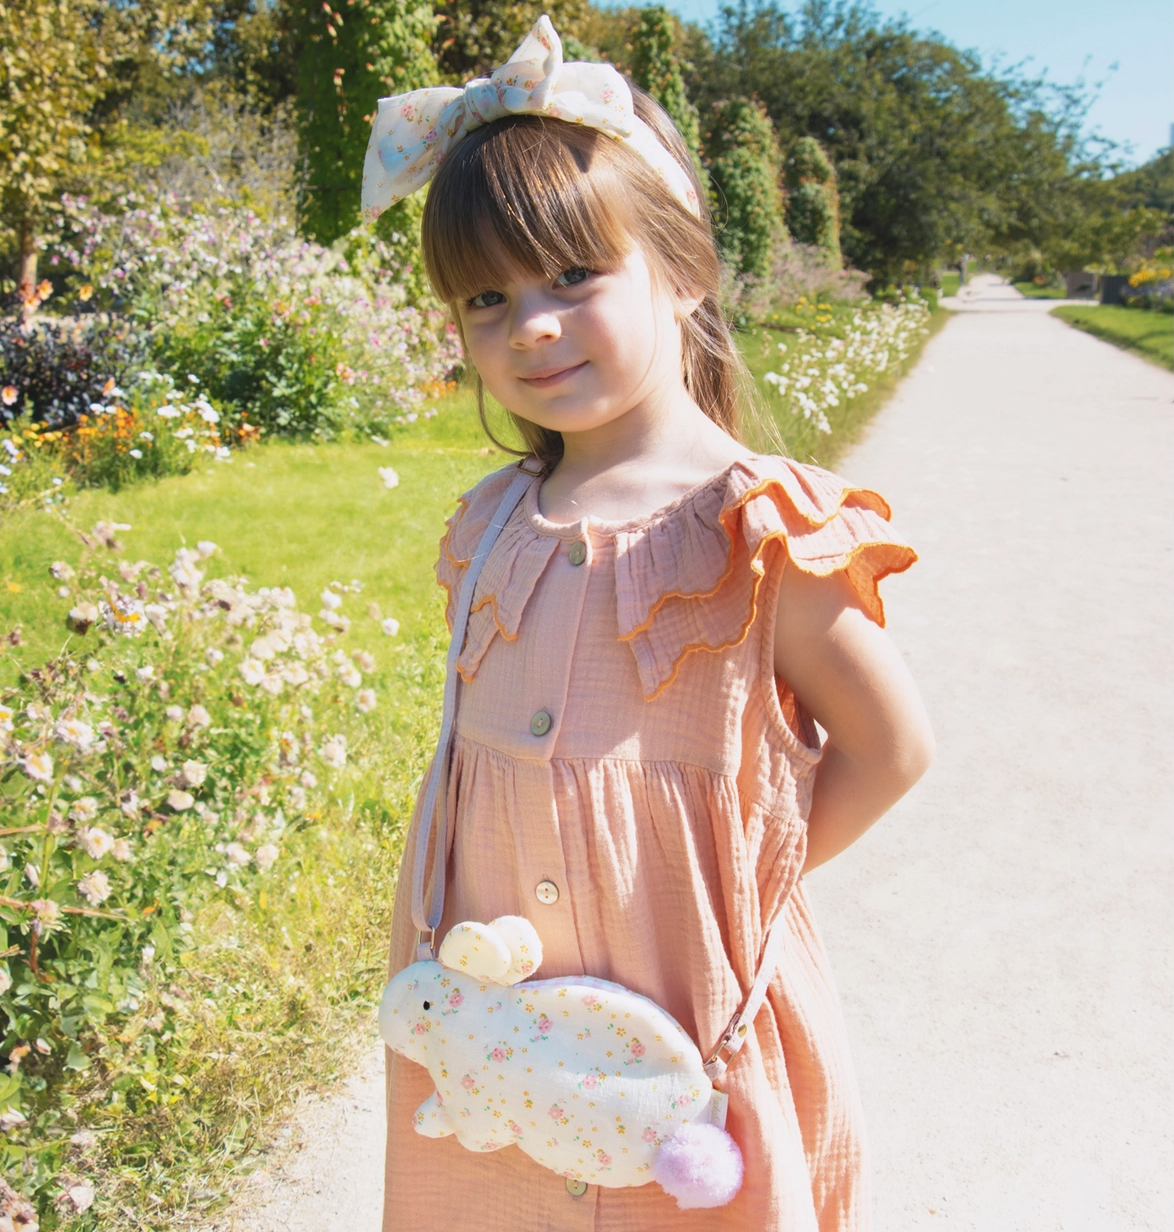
690	577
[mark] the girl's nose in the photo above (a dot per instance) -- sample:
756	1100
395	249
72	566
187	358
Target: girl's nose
534	322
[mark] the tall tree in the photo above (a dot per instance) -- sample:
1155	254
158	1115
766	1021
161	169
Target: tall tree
476	36
59	60
745	164
350	55
656	69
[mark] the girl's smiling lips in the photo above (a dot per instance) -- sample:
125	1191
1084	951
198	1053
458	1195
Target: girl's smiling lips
552	376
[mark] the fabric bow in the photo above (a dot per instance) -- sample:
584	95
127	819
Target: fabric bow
413	133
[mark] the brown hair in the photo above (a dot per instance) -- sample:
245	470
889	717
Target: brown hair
543	196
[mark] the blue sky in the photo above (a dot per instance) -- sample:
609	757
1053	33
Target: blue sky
1068	38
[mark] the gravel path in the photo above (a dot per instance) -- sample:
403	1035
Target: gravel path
1002	939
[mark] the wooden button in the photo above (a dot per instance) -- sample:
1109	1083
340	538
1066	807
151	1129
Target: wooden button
576	1188
577	553
540	723
546	892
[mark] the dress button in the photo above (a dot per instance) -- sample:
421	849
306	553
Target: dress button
577	553
540	723
546	892
576	1188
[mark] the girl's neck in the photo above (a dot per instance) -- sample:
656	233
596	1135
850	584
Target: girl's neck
638	463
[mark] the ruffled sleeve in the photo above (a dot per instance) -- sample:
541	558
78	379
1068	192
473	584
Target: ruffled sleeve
690	580
510	574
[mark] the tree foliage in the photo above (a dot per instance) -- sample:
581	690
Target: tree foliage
473	37
346	62
934	154
745	164
656	69
813	201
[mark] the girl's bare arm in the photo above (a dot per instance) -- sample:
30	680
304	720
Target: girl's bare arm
848	674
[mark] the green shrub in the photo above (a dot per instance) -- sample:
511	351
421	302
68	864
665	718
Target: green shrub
743	158
813	201
656	69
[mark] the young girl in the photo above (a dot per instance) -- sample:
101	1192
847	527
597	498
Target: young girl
665	617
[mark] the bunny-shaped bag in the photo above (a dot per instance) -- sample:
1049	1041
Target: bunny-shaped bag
591	1080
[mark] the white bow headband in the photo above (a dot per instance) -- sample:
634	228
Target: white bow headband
413	133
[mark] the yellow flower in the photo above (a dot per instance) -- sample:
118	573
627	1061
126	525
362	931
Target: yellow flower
84	292
9	394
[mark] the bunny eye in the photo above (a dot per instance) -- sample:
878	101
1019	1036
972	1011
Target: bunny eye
427	1005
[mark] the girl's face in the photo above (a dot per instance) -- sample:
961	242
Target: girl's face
578	351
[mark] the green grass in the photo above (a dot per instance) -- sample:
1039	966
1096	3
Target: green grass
950	282
284	989
1145	333
1034	291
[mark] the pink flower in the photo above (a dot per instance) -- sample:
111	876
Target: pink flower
649	1135
498	1054
420	1028
590	1081
604	1159
555	1112
589	999
544	1024
456	998
467	1082
636	1048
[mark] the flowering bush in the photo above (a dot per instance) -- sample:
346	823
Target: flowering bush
164	761
303	338
160	431
827	363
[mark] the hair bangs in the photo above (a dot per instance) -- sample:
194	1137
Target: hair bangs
524	194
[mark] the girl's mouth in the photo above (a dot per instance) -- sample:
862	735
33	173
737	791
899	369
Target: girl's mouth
544	380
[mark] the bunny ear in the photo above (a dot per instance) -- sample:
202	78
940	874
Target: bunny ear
477	950
525	947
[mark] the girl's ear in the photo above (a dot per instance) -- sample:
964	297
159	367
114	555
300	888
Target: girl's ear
686	303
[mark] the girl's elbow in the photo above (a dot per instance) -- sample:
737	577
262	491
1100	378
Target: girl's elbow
917	755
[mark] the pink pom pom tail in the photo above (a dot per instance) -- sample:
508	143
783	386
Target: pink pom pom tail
700	1166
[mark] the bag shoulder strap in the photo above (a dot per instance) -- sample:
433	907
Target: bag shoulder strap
427	919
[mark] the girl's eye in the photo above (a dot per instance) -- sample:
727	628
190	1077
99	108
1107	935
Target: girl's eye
568	278
487	299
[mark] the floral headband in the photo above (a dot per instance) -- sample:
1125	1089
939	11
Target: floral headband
413	133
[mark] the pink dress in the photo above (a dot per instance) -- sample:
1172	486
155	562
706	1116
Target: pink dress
665	801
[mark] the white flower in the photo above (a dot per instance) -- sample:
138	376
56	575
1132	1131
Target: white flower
366	700
199	717
331	600
75	732
38	766
10	1120
253	671
273	684
122	850
390	626
262	649
237	855
296	797
156	613
174	714
81	1196
213	655
267	856
7	715
183	569
179	800
336	620
5	981
389	477
94	842
194	773
61	571
309	779
129	808
294	673
135	453
94	887
84	810
121	615
206	548
158	763
333	752
349	675
144	673
364	661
